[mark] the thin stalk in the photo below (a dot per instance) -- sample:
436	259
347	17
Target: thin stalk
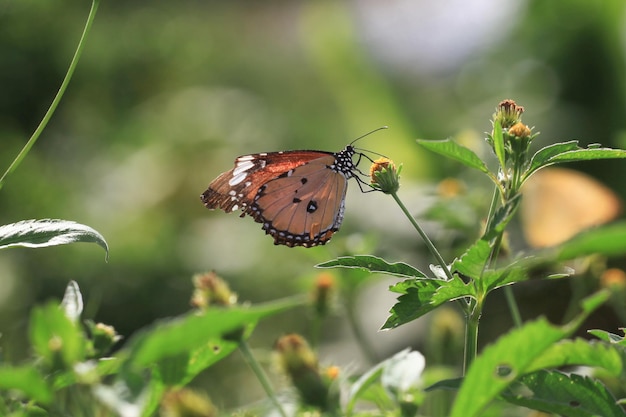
260	374
471	336
57	98
508	292
429	244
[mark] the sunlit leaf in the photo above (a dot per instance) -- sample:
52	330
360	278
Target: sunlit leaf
608	337
542	157
579	352
570	152
567	395
453	150
472	262
48	232
510	357
374	264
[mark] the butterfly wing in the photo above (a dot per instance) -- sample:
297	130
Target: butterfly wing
298	196
558	203
304	206
235	189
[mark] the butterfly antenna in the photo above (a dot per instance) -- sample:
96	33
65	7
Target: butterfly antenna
369	133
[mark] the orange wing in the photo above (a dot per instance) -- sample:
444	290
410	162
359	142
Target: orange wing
305	207
235	189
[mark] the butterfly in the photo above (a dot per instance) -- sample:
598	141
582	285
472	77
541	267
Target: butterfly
558	203
298	196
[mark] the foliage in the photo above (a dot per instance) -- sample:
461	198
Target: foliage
73	372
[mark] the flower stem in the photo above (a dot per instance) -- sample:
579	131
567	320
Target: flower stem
471	336
258	371
55	102
429	244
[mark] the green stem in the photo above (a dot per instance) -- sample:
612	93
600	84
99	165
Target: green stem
429	244
68	76
471	336
513	308
258	371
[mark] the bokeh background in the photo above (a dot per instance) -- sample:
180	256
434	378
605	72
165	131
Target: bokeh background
167	94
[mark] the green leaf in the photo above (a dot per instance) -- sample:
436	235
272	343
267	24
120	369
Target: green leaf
48	232
502	217
579	352
197	331
54	336
498	143
542	157
510	357
568	395
607	240
419	296
472	262
28	381
501	363
496	278
608	337
455	151
374	264
570	152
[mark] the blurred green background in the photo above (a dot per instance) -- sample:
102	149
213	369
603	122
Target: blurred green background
167	94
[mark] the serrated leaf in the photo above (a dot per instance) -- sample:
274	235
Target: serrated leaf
570	152
48	232
568	395
512	353
419	296
497	278
453	150
28	381
510	357
472	262
502	217
579	352
543	155
608	337
374	264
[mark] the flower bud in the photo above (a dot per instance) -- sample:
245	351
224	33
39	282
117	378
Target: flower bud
211	289
187	403
103	337
322	293
508	113
520	130
300	363
384	175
